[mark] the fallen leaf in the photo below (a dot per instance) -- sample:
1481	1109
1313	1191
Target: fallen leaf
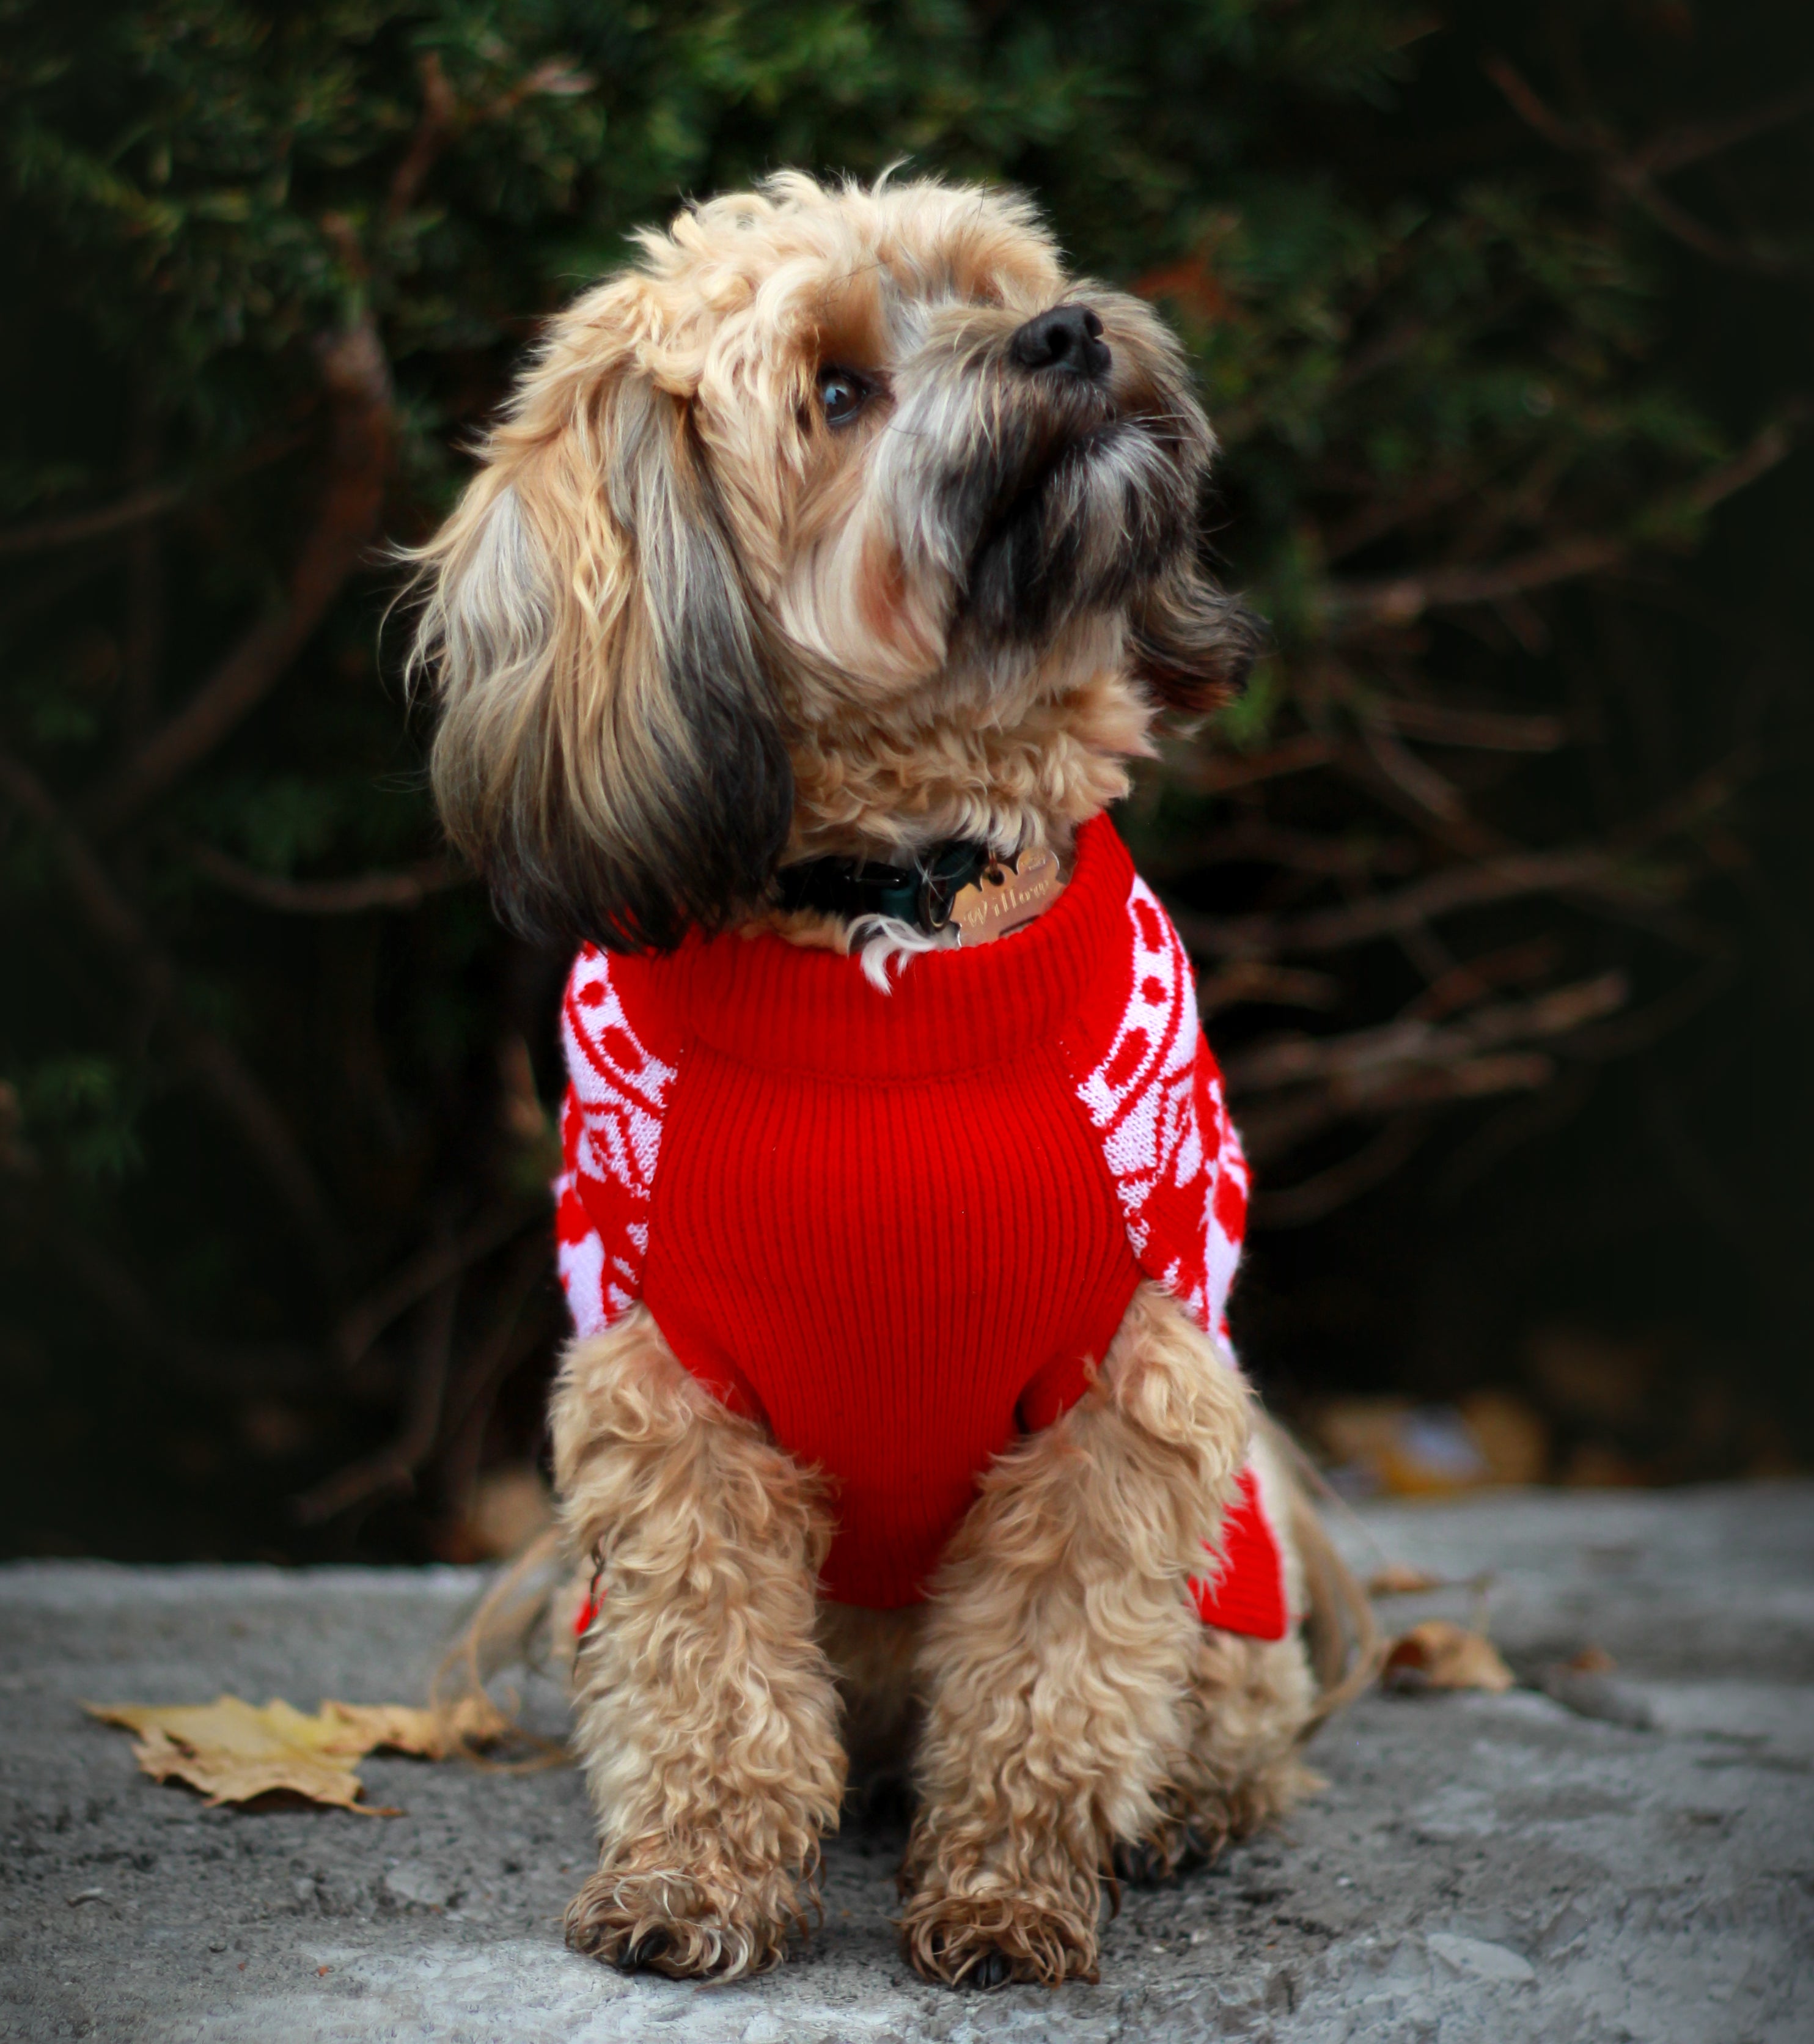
1592	1660
233	1753
473	1721
1399	1579
1438	1655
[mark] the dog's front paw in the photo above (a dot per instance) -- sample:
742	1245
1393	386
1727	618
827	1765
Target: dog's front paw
689	1925
990	1940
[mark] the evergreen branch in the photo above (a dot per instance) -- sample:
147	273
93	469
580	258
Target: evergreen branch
211	1060
353	896
358	380
444	120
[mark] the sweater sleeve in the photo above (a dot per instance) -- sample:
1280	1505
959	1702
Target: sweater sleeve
1152	1093
621	1067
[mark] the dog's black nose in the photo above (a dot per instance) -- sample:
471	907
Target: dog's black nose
1067	337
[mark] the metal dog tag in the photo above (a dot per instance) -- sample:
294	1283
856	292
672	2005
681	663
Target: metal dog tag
1005	898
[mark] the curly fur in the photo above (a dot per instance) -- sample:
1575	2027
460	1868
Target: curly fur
684	624
704	1708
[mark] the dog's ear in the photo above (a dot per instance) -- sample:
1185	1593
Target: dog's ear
1193	644
609	753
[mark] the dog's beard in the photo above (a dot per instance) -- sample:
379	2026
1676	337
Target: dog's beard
1080	536
1028	502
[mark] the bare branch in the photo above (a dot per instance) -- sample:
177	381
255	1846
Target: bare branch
1357	1063
1480	730
514	1331
414	1280
1272	1129
1312	1198
1632	173
1680	147
224	1368
357	380
1408	1063
354	897
1402	599
138	507
438	125
1416	778
394	1467
210	1060
1250	982
1387	915
1532	109
1219	773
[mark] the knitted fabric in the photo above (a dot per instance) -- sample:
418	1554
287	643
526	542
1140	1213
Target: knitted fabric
901	1229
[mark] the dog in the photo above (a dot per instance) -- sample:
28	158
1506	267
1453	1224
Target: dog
825	572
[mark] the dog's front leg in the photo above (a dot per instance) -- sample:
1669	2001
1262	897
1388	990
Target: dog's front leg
705	1714
1057	1657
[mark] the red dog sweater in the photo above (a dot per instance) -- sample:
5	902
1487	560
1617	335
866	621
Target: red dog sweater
900	1229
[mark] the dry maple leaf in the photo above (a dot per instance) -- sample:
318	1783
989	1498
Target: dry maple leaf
473	1721
232	1752
1438	1655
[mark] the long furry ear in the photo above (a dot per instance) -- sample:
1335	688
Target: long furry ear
609	753
1194	644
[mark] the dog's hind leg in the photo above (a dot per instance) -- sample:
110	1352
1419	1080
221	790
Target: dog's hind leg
705	1716
1057	1656
1255	1702
1252	1703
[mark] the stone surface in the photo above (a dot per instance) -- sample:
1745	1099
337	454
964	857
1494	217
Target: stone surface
1481	1868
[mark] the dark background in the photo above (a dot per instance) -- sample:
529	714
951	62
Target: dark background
1498	879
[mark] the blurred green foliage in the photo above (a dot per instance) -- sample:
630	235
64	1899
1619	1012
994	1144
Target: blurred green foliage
1485	358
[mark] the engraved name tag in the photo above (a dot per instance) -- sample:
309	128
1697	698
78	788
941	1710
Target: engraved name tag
1004	899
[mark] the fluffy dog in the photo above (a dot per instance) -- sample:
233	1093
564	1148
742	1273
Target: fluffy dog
841	535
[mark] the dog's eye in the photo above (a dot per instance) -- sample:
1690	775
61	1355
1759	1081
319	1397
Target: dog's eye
842	395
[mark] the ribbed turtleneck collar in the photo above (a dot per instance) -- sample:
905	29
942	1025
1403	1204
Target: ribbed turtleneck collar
788	1007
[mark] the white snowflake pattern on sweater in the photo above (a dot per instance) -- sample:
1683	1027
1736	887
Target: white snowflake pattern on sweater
1155	1100
610	1134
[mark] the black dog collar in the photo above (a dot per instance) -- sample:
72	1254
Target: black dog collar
921	894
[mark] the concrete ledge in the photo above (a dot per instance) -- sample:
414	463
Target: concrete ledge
1489	1869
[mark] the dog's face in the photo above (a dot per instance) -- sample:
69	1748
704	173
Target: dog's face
828	474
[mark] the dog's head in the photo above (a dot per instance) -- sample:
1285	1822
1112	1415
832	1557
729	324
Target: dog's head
828	469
